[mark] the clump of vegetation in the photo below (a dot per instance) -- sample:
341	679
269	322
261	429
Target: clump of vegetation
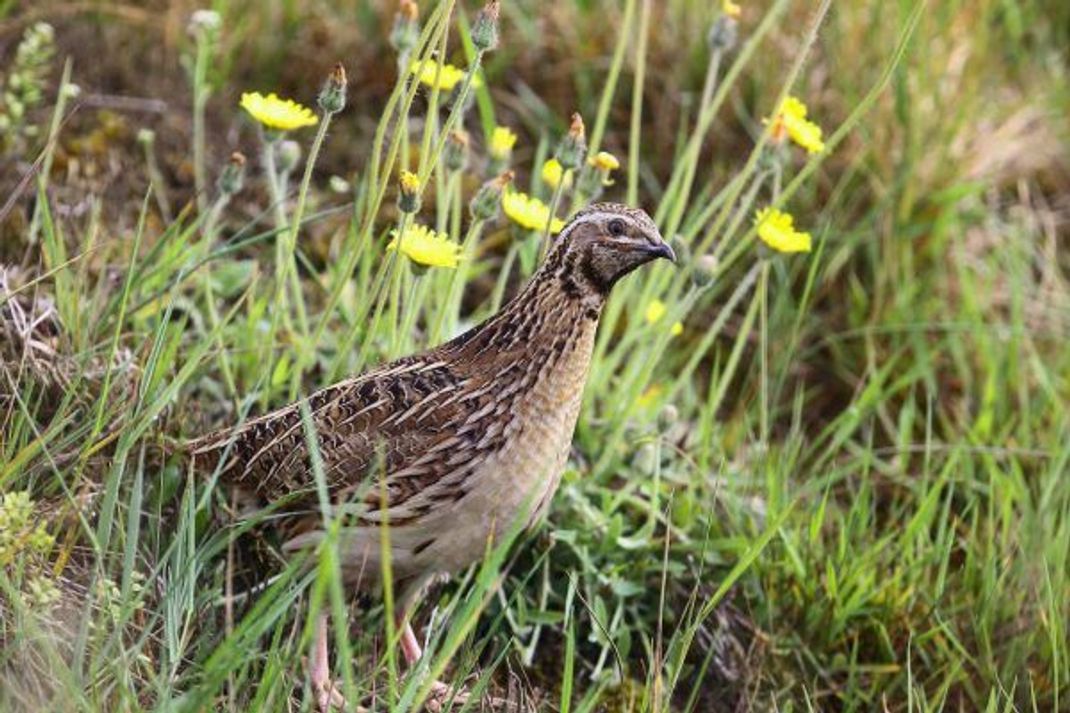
23	86
820	466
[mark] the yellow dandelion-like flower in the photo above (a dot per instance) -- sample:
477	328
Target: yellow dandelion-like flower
427	71
275	113
529	212
502	140
410	182
777	230
730	8
553	173
655	311
605	163
425	246
650	396
790	120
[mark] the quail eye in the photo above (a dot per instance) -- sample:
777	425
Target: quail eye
616	227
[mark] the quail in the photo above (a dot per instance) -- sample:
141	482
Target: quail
447	446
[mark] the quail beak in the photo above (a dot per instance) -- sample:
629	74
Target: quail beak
662	249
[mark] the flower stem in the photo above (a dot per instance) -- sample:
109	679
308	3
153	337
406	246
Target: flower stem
428	162
377	183
200	100
209	294
763	291
290	264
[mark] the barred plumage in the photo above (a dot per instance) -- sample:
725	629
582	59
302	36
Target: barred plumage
462	439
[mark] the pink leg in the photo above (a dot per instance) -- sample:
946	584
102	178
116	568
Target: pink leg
412	651
410	646
327	693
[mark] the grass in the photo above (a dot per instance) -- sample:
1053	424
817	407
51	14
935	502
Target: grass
842	487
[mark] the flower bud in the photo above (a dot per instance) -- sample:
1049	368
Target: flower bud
204	22
554	175
484	205
723	33
146	137
288	154
332	97
681	249
502	140
455	153
233	175
704	271
339	184
409	195
596	173
406	30
667	417
646	459
485	29
573	147
605	163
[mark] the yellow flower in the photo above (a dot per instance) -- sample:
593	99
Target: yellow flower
427	247
605	163
791	120
777	230
553	172
410	182
655	311
409	198
502	140
275	113
530	213
650	395
730	8
448	77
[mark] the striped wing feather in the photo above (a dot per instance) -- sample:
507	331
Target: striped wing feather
385	421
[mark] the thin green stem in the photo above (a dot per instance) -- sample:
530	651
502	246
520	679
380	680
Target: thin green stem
763	291
200	100
379	180
638	87
595	139
295	229
209	231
